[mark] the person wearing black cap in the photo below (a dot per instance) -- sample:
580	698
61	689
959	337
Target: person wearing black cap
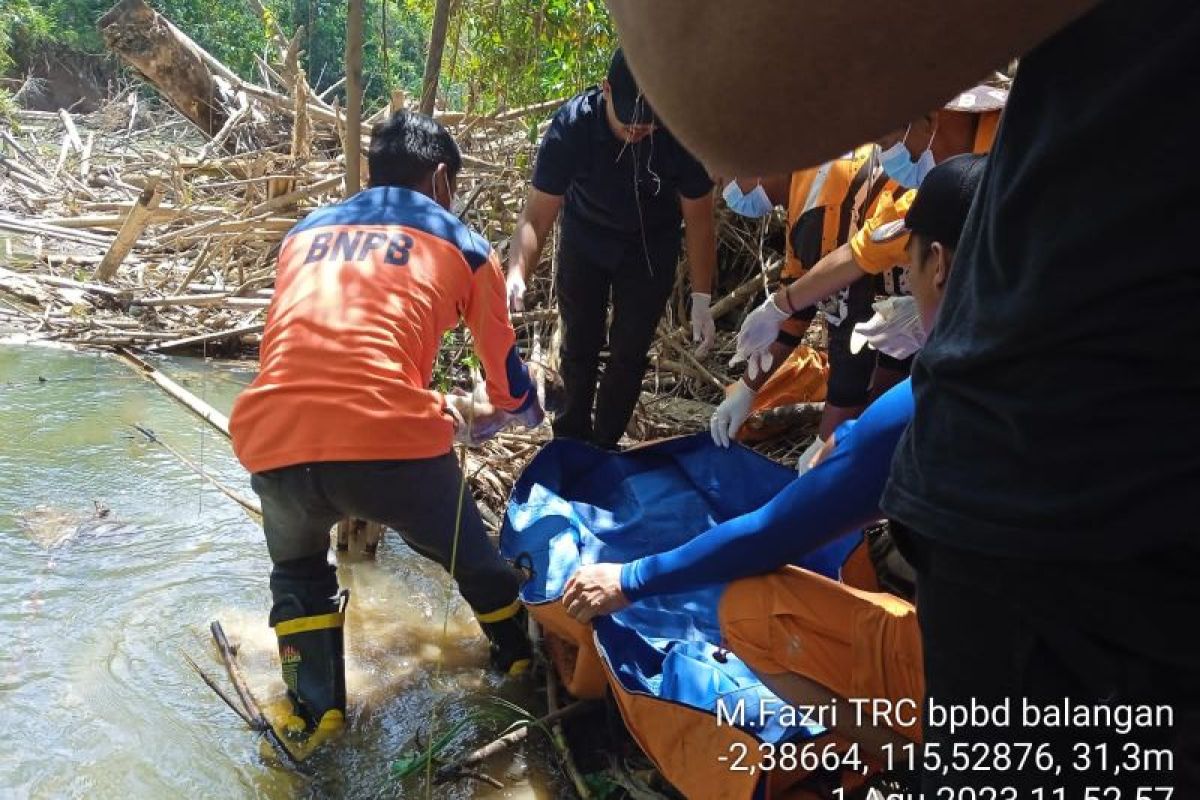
855	642
623	185
1048	479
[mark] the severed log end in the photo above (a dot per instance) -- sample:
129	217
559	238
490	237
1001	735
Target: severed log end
169	61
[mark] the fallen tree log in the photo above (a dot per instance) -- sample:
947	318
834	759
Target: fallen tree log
149	43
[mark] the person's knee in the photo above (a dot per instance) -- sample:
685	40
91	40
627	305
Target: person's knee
311	579
627	362
491	589
746	625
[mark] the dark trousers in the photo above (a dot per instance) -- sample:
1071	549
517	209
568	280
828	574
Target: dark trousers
640	287
1113	634
418	498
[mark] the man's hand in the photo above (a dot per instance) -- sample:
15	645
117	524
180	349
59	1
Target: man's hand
704	328
514	287
594	590
896	329
758	333
475	420
732	412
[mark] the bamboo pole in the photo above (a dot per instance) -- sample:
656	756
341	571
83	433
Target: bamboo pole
744	292
249	504
205	338
304	192
135	222
17	225
433	62
72	131
354	91
181	300
301	135
9	169
20	151
194	404
85	162
67	283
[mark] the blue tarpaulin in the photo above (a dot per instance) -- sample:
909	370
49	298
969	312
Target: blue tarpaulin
576	505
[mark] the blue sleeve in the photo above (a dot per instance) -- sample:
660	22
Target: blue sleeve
558	155
837	497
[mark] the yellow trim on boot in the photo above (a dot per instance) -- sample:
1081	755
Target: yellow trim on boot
290	732
304	624
501	614
519	667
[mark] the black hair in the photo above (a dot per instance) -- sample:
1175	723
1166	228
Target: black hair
407	147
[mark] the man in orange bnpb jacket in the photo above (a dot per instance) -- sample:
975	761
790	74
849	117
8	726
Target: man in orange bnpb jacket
340	420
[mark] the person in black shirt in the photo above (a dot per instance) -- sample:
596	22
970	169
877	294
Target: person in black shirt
623	185
1047	497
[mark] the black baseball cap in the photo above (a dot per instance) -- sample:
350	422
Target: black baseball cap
940	210
628	102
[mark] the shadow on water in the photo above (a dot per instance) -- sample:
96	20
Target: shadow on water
118	557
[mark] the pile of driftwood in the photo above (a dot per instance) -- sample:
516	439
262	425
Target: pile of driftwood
159	228
156	226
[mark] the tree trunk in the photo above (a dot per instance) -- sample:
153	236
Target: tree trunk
354	92
172	62
433	64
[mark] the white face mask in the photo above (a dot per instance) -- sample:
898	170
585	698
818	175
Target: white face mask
756	204
900	167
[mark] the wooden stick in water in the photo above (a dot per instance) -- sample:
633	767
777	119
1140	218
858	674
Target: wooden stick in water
193	403
258	721
253	506
219	691
455	769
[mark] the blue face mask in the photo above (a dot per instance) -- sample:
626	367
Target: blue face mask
754	205
901	168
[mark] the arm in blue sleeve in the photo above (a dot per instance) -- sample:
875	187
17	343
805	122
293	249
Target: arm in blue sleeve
838	496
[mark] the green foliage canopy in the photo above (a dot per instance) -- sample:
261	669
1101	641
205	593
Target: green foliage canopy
499	53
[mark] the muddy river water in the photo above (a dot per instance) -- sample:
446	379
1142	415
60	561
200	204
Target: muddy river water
116	559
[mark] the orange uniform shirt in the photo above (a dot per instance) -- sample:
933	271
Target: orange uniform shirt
877	254
826	204
364	291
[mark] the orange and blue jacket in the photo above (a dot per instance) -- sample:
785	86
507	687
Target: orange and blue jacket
364	291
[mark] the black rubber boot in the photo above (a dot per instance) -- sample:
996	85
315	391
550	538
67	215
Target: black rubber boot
507	630
309	623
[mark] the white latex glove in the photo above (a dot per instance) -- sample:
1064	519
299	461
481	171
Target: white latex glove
704	328
758	333
809	456
514	288
732	412
895	330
